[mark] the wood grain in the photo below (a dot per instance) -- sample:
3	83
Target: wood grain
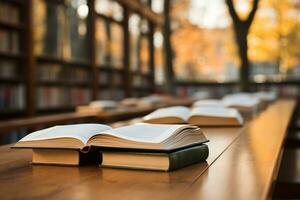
242	165
249	166
20	180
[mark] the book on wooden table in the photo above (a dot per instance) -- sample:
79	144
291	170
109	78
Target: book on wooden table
71	144
266	97
209	103
152	160
248	104
100	105
242	102
200	116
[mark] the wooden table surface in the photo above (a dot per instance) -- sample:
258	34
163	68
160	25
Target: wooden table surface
242	165
102	117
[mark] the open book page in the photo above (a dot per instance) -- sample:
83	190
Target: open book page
215	112
149	133
103	104
174	111
266	96
82	132
209	103
241	101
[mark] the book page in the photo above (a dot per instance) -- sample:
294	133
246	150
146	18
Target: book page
142	132
214	112
82	132
241	101
209	103
103	104
174	111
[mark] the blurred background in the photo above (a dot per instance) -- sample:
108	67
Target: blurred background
58	54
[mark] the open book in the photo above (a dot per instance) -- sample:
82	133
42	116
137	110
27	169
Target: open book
209	103
138	136
242	102
206	116
70	145
100	105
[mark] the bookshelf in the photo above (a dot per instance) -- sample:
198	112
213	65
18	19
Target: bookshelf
59	54
109	31
12	65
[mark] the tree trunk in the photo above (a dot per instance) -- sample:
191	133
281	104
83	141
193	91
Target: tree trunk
241	29
242	42
169	74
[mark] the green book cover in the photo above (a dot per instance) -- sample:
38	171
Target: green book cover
176	159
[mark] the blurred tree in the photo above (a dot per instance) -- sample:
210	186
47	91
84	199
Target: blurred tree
241	29
170	87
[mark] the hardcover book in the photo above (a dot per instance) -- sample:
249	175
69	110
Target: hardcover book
201	116
69	144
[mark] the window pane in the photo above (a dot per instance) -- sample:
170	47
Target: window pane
157	6
144	54
102	42
134	30
210	53
117	45
48	23
158	58
274	41
109	8
76	46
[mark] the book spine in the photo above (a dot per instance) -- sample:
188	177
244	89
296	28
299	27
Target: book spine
188	157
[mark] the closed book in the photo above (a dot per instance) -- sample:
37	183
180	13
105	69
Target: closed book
65	157
160	161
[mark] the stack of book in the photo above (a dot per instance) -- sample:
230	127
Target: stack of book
138	146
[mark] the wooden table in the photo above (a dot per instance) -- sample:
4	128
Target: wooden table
242	164
102	117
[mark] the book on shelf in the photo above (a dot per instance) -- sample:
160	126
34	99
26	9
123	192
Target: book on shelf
9	13
67	144
9	42
201	116
8	69
12	97
57	96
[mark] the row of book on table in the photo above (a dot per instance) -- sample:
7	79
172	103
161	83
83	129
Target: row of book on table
154	100
167	139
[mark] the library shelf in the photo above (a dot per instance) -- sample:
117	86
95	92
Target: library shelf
11	26
9	55
10	80
56	109
63	84
11	111
63	62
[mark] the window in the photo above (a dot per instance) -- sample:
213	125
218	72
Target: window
274	42
209	54
61	29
